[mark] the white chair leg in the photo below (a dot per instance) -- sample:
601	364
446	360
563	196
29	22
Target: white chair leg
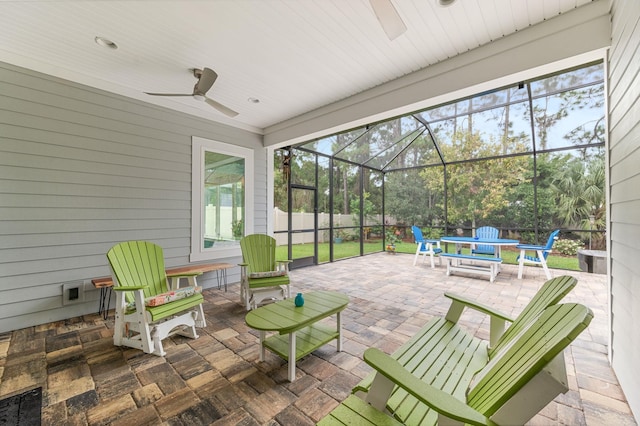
158	349
521	265
118	327
200	320
543	262
245	294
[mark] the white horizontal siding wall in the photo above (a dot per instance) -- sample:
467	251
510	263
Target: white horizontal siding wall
82	169
624	228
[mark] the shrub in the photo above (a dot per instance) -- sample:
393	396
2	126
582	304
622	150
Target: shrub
568	247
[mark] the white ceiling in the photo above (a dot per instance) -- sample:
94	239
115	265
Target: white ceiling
293	55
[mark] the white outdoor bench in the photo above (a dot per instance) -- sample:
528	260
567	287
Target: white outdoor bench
479	265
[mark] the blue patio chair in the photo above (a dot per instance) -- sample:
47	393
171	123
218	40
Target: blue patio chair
425	247
485	232
540	256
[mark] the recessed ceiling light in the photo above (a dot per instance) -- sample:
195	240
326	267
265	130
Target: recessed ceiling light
105	42
445	3
253	100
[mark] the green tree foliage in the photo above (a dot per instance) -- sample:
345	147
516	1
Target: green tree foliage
484	152
367	211
411	200
579	190
476	189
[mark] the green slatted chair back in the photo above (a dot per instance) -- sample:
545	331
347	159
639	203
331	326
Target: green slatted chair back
259	251
527	355
549	294
136	263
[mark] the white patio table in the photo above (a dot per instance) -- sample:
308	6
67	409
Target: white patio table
472	241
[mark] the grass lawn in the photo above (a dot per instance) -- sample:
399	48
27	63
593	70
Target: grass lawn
352	248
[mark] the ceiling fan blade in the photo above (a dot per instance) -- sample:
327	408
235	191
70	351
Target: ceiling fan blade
223	109
169	94
205	82
388	17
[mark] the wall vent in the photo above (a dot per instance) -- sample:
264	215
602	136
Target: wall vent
72	293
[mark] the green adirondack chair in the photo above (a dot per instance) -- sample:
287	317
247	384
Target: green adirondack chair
551	293
147	311
520	380
262	277
439	331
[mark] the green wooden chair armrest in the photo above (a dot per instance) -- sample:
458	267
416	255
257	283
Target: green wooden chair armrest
497	322
130	288
474	304
436	399
243	264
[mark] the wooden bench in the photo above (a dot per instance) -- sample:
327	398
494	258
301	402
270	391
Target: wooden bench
481	265
452	380
443	346
190	272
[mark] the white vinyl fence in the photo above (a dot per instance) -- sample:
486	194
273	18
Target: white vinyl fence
305	221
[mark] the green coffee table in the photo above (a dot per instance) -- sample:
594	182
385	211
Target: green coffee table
298	330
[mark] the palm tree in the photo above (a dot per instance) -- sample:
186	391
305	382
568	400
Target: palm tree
579	189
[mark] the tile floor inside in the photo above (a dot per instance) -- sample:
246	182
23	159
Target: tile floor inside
217	378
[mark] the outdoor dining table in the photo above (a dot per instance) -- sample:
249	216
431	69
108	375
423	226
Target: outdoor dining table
471	241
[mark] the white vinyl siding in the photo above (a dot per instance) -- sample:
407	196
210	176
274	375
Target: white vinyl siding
624	228
82	169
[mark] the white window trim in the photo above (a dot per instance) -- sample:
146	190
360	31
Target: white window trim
199	146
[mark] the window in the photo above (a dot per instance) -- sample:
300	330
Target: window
222	198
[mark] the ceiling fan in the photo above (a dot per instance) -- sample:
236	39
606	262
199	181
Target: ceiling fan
388	16
206	77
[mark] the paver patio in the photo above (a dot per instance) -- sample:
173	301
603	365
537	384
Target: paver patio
217	379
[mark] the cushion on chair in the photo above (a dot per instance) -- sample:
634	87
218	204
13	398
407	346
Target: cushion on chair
267	274
169	296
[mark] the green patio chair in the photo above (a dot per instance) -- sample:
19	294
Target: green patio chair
551	293
147	311
508	389
440	329
262	277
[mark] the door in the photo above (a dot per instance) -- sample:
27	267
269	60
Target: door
303	237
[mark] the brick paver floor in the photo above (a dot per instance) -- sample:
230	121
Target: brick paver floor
217	378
